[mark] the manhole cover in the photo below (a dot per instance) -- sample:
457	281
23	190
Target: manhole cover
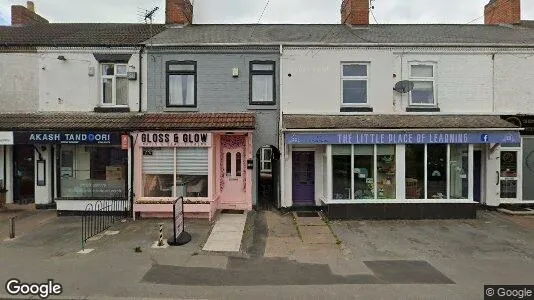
232	211
307	214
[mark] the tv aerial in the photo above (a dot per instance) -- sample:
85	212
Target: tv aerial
149	15
404	86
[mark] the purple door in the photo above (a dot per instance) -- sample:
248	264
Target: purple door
303	178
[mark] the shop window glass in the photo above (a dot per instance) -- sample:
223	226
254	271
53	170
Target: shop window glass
415	171
92	172
341	170
508	174
386	172
238	164
228	164
191	172
437	171
459	170
158	170
364	172
528	168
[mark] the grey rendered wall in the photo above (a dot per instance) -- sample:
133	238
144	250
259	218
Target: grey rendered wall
19	82
218	90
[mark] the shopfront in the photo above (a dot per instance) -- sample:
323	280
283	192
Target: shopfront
395	173
71	168
208	169
517	166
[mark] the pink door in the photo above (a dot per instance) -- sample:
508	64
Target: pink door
233	172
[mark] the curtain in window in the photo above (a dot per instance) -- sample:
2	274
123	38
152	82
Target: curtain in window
181	89
262	88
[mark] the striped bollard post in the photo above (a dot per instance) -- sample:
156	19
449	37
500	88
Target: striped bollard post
160	242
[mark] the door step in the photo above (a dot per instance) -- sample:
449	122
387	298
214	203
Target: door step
233	211
307	214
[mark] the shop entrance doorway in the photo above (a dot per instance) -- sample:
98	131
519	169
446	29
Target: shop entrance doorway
509	174
303	178
23	174
234	170
268	172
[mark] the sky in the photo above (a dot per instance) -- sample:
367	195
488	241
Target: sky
249	11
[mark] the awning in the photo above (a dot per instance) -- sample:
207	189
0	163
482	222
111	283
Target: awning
86	121
398	129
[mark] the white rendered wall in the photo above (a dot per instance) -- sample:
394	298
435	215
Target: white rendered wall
68	86
19	82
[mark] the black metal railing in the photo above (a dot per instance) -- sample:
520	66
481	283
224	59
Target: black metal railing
99	216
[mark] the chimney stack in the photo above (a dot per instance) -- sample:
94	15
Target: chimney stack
502	12
21	15
355	12
178	12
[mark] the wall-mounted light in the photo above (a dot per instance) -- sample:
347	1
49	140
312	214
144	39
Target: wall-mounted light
62	58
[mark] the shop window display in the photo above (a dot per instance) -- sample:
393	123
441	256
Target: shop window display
459	170
415	171
341	169
386	172
437	171
92	172
364	172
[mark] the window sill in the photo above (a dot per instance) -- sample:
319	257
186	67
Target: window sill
422	109
262	107
112	109
356	109
180	109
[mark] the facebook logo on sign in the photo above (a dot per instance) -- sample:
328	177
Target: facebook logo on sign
484	137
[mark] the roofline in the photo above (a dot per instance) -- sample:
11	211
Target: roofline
400	129
461	45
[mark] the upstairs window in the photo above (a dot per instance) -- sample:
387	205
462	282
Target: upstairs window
114	84
423	77
181	84
354	84
262	83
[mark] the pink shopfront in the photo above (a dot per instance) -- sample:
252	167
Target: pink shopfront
207	168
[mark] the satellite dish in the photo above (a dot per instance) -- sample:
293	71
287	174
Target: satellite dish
403	86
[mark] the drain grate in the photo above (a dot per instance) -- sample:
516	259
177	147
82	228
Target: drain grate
233	211
307	214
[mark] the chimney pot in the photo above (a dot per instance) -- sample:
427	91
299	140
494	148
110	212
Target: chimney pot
502	12
30	6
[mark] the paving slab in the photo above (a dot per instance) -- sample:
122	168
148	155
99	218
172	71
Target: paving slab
280	225
227	233
317	235
281	246
310	221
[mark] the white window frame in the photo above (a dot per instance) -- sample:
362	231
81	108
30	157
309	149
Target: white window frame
425	79
114	83
343	78
263	161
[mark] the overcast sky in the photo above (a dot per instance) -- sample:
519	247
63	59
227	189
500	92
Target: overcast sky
249	11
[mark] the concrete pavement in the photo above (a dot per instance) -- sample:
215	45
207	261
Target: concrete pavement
374	261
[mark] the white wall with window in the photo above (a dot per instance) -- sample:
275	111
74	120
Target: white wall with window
462	79
423	76
78	82
115	84
175	172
